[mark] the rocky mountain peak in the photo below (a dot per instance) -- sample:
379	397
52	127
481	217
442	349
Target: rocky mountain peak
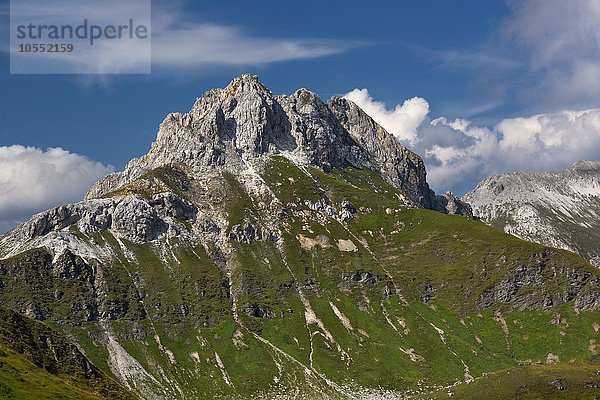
245	83
236	127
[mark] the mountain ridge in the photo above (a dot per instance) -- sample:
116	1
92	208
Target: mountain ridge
559	208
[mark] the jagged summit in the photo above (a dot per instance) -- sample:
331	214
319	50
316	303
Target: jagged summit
245	82
235	127
236	130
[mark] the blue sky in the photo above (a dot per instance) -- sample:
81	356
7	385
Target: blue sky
91	117
496	84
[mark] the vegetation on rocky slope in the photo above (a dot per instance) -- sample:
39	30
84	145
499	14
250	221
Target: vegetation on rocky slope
318	285
558	208
38	362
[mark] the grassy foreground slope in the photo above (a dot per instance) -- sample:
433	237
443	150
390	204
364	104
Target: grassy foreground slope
571	381
349	291
38	362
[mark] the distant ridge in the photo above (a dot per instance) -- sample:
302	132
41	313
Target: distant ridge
558	208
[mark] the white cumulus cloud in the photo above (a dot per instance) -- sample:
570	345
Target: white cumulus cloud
537	143
402	121
544	55
459	153
33	180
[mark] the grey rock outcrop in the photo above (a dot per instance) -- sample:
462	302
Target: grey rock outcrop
347	211
534	276
248	233
128	217
363	277
454	205
136	221
258	311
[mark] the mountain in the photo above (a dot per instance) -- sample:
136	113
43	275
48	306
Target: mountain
559	209
285	247
231	128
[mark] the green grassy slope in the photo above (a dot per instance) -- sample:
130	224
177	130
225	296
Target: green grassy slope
38	362
396	299
570	381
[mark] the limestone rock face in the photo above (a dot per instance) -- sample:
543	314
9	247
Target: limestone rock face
128	217
249	233
557	208
137	221
237	126
401	167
